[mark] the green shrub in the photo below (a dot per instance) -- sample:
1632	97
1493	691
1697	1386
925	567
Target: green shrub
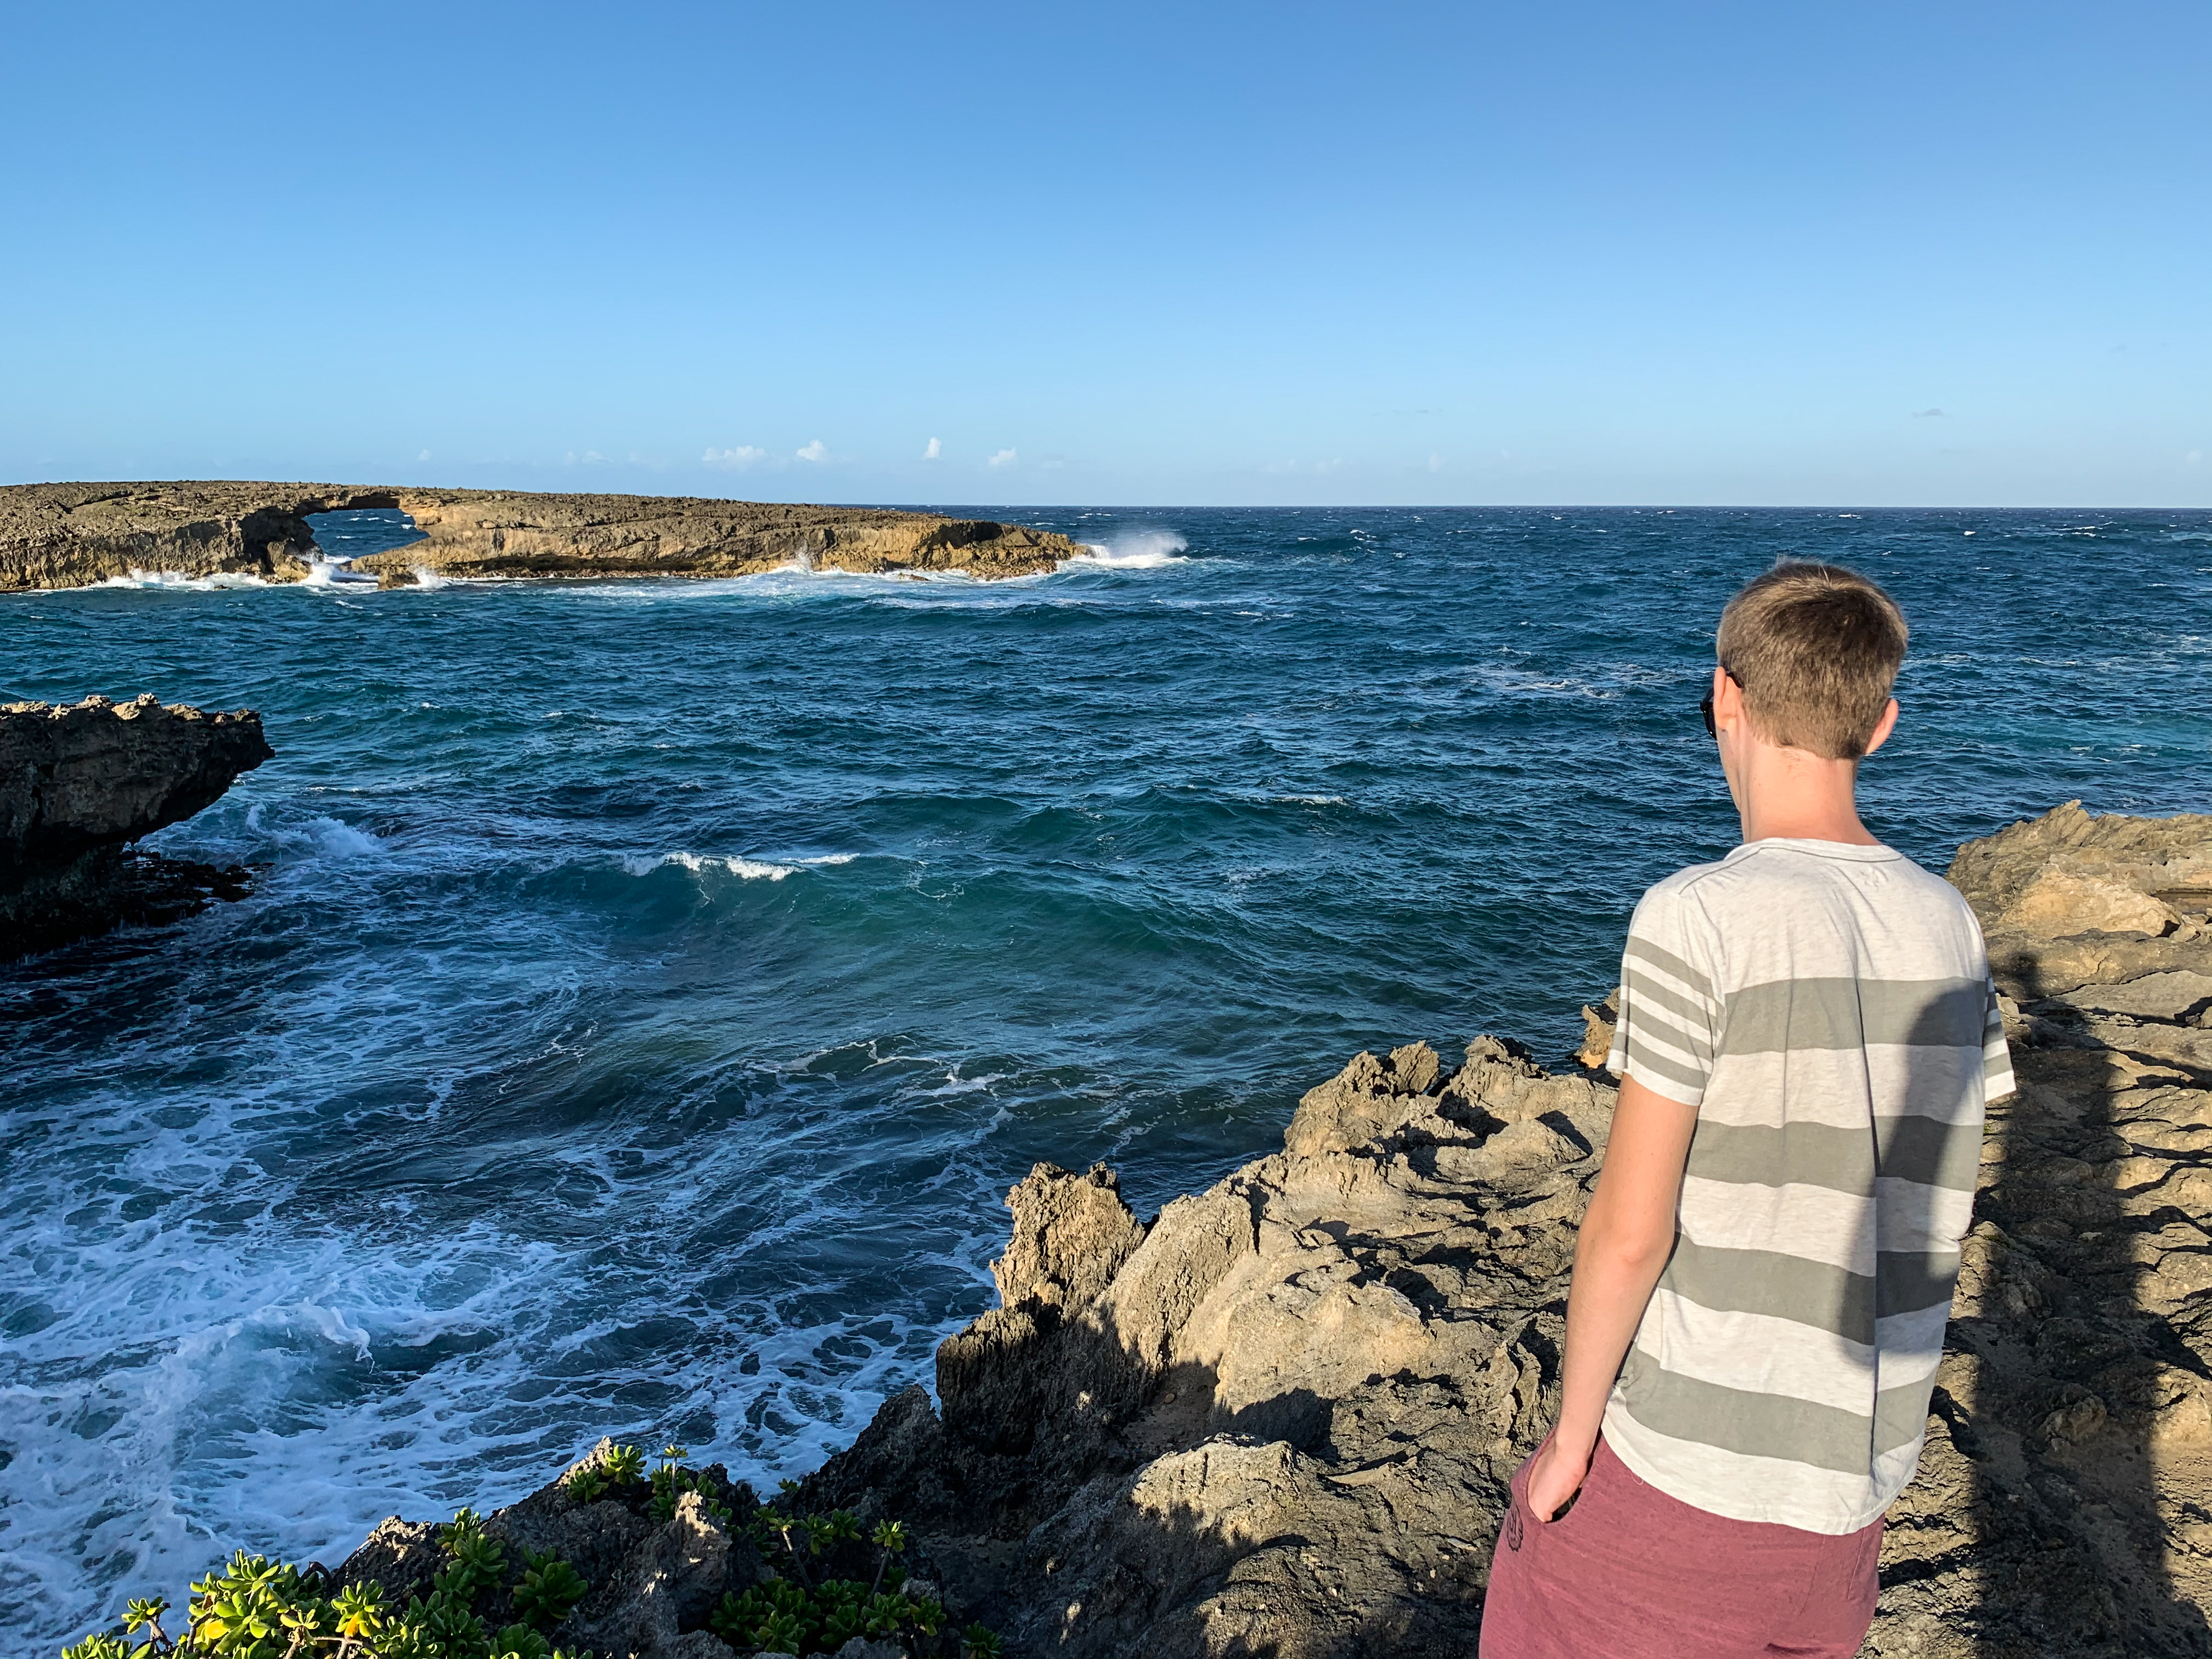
255	1608
260	1609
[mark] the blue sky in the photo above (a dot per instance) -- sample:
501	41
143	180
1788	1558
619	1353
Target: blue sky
1758	253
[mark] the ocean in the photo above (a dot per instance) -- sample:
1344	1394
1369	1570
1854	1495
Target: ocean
650	988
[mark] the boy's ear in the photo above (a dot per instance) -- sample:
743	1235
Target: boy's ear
1728	698
1883	728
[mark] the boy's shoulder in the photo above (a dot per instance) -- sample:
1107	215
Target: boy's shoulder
1761	873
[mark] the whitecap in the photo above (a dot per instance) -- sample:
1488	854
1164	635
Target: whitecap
335	572
334	838
744	869
1137	550
180	581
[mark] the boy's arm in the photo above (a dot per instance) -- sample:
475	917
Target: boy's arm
1625	1242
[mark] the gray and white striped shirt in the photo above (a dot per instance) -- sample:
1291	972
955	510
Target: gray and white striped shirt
1827	1009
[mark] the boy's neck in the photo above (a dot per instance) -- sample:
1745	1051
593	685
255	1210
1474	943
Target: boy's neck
1791	794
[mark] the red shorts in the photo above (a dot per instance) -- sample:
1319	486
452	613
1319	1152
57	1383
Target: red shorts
1630	1573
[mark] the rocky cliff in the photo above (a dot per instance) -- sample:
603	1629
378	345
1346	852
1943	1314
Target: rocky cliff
72	535
78	783
1280	1417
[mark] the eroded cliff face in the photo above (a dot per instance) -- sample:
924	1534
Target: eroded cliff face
1280	1417
73	535
77	783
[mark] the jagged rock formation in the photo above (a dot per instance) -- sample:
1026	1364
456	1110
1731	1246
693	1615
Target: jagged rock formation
1285	1422
71	534
78	783
1279	1418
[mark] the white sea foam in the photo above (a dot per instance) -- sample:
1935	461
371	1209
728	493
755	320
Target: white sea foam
335	572
1135	549
179	581
256	1362
745	869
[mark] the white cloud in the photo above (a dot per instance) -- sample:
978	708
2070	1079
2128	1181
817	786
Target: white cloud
2194	457
1005	458
589	458
816	451
1929	415
934	452
737	459
1435	463
424	456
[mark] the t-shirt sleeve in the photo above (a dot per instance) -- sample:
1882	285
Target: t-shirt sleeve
1997	1054
1669	1009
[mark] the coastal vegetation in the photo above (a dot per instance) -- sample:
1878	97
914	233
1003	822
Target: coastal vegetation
485	1601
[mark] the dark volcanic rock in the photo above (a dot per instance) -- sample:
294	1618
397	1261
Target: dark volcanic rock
70	535
77	784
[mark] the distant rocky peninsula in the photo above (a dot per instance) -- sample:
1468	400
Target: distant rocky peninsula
73	535
1279	1417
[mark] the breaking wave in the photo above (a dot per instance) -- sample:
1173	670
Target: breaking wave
1136	550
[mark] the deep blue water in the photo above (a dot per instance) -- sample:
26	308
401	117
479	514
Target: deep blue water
653	988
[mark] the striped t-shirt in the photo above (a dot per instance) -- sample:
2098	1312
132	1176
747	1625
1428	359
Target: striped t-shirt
1827	1009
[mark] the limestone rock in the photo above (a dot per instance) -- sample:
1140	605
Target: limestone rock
1598	1025
403	1556
2057	903
651	1583
1342	1112
2169	860
1302	1391
77	783
102	772
2180	996
673	1575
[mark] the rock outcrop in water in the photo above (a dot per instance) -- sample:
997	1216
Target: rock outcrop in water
1280	1417
77	784
73	535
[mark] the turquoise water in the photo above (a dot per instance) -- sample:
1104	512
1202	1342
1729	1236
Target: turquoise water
652	989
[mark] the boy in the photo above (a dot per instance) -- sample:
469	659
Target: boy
1807	1038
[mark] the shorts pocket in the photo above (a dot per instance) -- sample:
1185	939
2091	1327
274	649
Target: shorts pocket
1521	1492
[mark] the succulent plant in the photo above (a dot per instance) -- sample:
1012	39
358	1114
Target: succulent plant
549	1587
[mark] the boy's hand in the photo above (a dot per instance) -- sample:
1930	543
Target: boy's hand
1556	1477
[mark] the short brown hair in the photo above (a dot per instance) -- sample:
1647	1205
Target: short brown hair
1815	648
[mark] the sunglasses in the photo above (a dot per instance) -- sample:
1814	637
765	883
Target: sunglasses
1705	703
